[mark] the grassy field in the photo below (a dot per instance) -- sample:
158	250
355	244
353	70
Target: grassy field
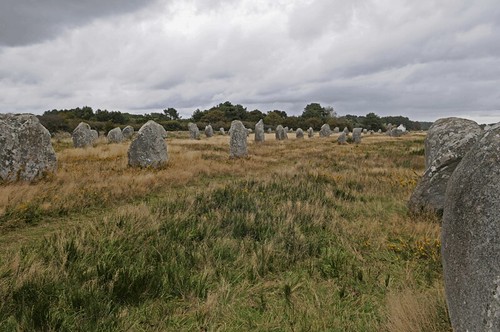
304	235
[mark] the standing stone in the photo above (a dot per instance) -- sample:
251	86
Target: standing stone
346	130
148	149
310	132
336	130
285	131
83	136
299	133
402	128
26	151
260	137
388	129
222	131
447	142
128	132
115	135
269	130
379	131
194	132
342	139
209	132
365	131
95	135
238	141
356	135
471	238
325	130
249	131
280	133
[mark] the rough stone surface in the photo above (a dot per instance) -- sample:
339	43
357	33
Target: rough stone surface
447	141
115	135
395	132
299	133
471	238
194	132
128	132
365	131
209	131
342	139
148	149
222	131
325	130
26	151
95	135
259	132
82	136
238	141
280	133
269	130
310	132
356	135
336	130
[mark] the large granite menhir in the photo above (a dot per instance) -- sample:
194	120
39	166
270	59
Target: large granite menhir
471	238
260	136
26	151
83	136
447	141
148	149
238	140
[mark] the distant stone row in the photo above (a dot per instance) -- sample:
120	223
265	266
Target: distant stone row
462	183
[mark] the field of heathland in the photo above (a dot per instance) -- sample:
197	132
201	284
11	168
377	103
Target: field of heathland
303	235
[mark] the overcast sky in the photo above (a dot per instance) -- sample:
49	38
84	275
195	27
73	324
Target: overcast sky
423	59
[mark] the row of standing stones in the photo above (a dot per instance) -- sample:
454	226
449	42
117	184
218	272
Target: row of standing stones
461	184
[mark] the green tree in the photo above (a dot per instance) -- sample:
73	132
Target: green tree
315	110
273	119
372	122
171	113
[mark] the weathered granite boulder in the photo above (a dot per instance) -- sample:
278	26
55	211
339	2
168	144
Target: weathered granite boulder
365	131
238	141
128	132
259	132
222	131
280	133
194	132
148	149
95	135
299	133
310	132
447	141
471	238
395	132
209	131
388	129
325	130
356	135
115	135
83	136
342	139
26	151
336	130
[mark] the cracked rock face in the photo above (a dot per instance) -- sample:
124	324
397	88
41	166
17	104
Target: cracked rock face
471	237
238	141
447	141
148	149
26	151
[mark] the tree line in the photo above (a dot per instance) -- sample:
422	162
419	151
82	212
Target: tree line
220	116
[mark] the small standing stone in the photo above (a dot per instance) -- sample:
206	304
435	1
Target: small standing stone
269	130
95	135
342	139
238	141
249	131
299	133
194	132
336	130
280	133
83	136
209	132
148	149
325	130
115	135
310	132
128	132
356	135
285	130
222	131
260	137
346	130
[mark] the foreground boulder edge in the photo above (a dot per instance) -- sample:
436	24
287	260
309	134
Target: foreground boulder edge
26	152
471	238
447	141
148	149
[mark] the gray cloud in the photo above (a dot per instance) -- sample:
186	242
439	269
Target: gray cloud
27	22
423	59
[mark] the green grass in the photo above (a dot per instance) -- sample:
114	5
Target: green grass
317	247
